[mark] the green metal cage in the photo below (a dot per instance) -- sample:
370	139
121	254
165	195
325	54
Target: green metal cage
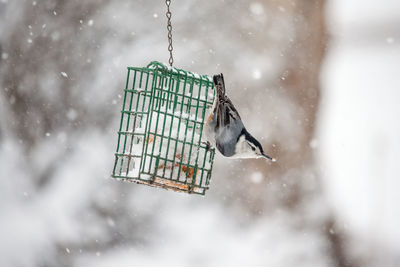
160	139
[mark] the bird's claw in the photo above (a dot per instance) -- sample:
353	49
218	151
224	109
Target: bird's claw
208	145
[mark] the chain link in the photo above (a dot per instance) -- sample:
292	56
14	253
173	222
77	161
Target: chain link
169	28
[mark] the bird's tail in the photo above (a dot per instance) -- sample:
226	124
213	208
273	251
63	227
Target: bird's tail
219	85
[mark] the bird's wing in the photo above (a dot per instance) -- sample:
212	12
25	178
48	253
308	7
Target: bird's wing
226	114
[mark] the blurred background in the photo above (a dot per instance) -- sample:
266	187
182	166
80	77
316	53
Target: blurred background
317	81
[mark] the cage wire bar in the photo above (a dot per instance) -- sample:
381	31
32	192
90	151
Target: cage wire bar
160	139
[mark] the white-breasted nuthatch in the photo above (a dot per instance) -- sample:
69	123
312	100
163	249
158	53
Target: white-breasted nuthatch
224	128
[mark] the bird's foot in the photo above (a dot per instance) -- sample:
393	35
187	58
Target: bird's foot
208	145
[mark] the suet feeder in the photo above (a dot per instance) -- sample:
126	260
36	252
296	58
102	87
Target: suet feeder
160	138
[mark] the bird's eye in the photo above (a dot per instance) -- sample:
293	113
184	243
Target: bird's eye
253	148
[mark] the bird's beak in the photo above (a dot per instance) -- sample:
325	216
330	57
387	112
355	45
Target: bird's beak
268	157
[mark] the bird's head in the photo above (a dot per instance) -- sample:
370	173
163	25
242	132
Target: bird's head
248	147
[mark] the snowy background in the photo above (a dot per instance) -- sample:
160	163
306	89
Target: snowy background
359	125
316	81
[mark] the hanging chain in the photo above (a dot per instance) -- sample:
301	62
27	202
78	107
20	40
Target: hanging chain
169	28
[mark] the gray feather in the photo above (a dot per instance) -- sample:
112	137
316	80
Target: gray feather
226	123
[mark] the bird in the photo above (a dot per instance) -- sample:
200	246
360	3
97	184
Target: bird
225	130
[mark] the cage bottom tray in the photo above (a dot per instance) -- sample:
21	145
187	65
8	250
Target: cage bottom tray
166	184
